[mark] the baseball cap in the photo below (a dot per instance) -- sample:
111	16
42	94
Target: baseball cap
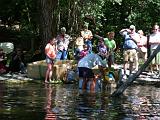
132	27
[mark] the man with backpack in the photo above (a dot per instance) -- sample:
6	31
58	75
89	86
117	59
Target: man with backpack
130	48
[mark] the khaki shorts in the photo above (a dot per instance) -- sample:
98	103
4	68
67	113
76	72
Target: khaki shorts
130	55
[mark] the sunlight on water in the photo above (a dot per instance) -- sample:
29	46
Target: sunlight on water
36	101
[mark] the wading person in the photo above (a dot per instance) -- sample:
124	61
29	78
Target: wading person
50	52
85	66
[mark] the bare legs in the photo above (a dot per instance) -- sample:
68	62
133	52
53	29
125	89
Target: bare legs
92	85
84	84
125	66
48	73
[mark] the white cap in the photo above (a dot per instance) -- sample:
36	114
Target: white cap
132	27
63	29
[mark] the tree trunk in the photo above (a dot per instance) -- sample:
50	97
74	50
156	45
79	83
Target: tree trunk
54	19
132	78
46	7
46	21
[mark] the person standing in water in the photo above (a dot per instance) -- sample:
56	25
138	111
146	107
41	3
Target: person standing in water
50	52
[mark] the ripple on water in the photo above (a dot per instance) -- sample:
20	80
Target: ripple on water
31	101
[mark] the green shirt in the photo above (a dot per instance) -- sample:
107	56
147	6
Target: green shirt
110	43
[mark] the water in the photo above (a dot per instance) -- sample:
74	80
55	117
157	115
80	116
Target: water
36	101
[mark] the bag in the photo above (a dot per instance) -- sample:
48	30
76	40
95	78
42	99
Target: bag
70	76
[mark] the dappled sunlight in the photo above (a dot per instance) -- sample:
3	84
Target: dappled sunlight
29	101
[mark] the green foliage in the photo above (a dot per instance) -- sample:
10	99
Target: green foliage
102	15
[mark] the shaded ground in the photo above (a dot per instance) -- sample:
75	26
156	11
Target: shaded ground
14	76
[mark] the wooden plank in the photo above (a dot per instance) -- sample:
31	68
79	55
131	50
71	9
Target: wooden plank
132	78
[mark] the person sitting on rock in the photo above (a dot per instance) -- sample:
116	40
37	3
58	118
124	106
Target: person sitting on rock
17	63
3	68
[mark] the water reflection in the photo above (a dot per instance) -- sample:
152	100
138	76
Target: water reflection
50	115
1	94
65	99
34	101
144	102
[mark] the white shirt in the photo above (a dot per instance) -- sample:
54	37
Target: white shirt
63	42
154	40
90	61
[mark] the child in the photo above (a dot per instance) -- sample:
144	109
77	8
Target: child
102	49
79	47
84	52
111	44
50	51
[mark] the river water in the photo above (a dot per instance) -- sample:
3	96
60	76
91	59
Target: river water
37	101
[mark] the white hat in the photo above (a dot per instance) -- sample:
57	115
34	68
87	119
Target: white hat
132	27
63	29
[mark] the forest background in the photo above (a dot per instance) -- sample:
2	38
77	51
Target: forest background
31	23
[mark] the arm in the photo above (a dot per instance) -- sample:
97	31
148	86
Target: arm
90	35
99	37
123	30
46	49
114	43
66	42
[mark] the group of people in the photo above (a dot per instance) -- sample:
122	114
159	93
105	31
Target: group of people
105	46
16	62
136	45
57	47
83	44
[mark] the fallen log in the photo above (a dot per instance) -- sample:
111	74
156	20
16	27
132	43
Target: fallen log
133	77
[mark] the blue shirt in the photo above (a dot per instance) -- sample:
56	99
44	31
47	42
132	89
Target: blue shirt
128	42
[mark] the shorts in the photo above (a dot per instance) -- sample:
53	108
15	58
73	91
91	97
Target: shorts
85	72
49	60
156	60
130	55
